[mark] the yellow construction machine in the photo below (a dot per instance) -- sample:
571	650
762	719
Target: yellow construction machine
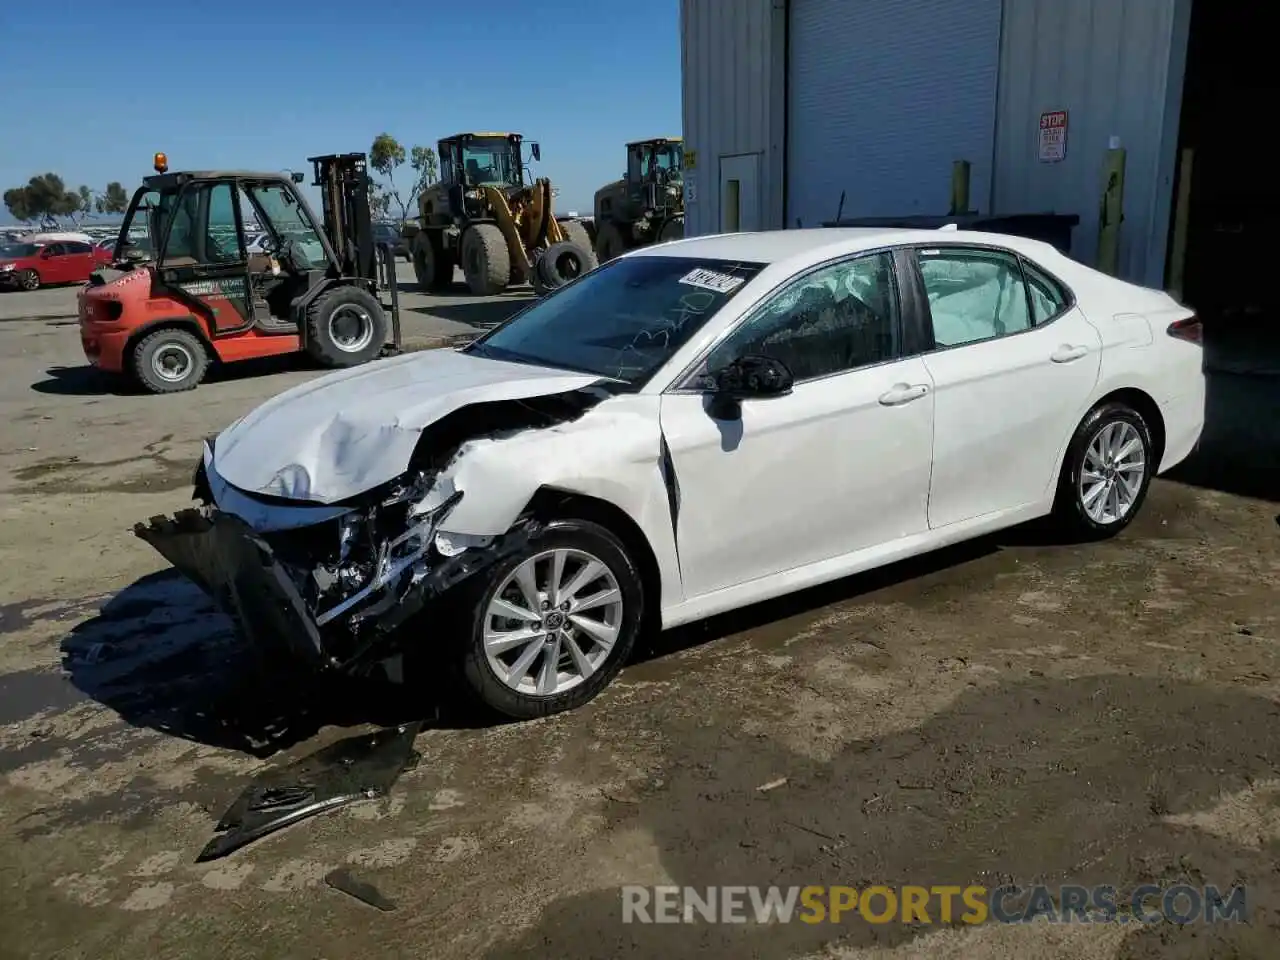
488	217
647	204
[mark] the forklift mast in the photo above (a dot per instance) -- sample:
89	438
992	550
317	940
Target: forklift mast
343	179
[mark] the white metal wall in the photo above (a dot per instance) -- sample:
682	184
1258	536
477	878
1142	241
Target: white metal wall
1116	66
883	97
732	59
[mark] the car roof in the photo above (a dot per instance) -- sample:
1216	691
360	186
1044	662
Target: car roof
820	243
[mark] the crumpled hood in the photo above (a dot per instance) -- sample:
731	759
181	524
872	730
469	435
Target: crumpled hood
343	434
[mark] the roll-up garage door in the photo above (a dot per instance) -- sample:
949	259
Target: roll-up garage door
883	96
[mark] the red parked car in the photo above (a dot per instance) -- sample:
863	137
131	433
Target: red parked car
29	266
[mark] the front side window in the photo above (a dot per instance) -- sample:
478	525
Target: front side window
289	222
974	295
222	239
489	161
624	320
78	247
836	319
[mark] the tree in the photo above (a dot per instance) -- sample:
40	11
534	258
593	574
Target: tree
113	200
45	196
423	162
84	206
16	201
386	155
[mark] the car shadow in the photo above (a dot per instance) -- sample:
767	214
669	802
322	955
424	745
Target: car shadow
1239	450
161	656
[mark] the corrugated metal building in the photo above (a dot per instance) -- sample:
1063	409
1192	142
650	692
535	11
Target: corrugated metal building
789	103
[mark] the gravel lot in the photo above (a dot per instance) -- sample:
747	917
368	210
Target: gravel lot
1016	709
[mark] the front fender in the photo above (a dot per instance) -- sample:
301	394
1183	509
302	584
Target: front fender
616	459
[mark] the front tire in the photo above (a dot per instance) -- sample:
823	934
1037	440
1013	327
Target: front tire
28	280
169	361
345	327
549	627
1107	472
610	242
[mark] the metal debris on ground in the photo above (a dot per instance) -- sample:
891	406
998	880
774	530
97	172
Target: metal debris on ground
357	768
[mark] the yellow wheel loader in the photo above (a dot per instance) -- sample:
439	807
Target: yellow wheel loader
647	204
486	217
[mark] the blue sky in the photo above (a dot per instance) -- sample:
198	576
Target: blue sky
226	83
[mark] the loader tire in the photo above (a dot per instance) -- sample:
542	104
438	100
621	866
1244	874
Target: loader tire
610	242
432	265
486	262
671	230
346	326
563	263
576	232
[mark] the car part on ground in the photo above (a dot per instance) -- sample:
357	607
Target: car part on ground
198	292
646	205
356	768
513	513
486	216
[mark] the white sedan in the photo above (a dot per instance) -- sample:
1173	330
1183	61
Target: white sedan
690	428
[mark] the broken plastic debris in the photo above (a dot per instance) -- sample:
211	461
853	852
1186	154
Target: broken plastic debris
342	879
357	768
772	785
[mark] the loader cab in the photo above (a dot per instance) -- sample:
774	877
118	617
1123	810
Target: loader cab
471	160
655	173
655	161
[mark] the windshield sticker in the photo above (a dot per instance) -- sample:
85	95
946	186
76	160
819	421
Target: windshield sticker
711	280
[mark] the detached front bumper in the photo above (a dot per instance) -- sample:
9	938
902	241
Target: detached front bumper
239	570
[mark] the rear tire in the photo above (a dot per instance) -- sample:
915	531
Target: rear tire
432	266
575	231
28	280
488	679
610	242
169	361
345	327
1106	473
486	262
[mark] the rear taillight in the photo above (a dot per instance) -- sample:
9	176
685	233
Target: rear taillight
1188	329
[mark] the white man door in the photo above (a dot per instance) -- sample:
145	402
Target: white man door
740	193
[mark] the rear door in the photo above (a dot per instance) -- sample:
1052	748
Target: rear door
80	260
54	267
1010	380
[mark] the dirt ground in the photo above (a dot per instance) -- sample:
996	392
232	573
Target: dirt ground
1015	710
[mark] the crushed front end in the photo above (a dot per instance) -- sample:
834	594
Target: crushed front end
330	583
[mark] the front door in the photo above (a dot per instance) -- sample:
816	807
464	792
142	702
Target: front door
840	464
740	193
1013	366
204	256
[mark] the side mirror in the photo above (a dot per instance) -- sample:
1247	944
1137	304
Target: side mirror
46	253
753	377
297	177
535	151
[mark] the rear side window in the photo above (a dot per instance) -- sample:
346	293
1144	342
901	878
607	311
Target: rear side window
975	294
1048	299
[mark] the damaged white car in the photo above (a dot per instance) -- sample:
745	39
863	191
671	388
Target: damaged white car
691	428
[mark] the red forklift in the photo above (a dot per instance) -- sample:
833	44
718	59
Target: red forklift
188	287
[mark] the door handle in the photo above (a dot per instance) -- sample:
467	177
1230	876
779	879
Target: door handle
903	393
1066	353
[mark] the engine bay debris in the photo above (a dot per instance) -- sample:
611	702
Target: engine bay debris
363	767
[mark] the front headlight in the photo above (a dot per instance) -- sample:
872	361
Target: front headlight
6	268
